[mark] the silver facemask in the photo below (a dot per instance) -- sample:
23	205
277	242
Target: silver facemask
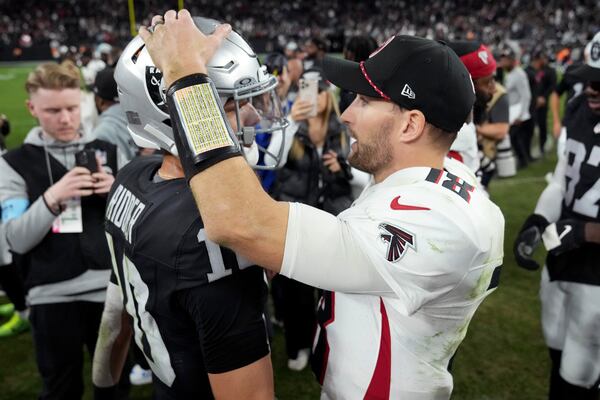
238	77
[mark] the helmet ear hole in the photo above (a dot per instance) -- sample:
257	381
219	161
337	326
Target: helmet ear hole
135	55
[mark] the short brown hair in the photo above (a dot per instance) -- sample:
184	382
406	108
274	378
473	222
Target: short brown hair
440	137
54	76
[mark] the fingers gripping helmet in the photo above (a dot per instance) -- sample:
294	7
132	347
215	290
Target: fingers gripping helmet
238	77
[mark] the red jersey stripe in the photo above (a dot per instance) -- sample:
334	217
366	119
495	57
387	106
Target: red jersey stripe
379	388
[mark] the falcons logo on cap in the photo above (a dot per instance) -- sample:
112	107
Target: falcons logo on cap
483	56
398	240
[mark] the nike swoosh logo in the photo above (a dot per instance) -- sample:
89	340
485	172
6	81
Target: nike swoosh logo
565	231
395	205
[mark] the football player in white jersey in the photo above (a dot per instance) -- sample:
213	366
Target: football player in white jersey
567	220
414	256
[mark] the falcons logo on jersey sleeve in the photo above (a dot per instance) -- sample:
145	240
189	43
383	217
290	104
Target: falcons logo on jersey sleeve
398	241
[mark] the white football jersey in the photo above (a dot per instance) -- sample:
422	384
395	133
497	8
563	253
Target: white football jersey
410	262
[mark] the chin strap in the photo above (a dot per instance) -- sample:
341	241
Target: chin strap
202	132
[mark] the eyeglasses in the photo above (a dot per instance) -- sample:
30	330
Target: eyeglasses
595	86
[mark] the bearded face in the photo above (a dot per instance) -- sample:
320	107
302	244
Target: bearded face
484	91
482	98
371	153
485	88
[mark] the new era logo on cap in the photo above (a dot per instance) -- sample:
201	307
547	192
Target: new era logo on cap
408	92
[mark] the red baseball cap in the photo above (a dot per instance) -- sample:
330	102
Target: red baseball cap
479	62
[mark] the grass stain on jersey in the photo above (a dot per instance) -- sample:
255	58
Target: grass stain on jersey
434	247
451	345
104	333
482	283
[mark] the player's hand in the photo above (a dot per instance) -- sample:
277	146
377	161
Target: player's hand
177	46
564	235
528	239
301	110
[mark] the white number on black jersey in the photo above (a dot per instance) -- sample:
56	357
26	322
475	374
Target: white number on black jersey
587	203
215	256
146	332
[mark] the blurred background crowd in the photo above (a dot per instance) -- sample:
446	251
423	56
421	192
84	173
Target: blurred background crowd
31	29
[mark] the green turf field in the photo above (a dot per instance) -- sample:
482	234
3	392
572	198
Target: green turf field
12	102
502	357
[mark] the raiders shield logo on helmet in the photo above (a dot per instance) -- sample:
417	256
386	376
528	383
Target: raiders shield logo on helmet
156	88
397	240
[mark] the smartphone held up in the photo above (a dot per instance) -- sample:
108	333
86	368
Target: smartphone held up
86	158
308	90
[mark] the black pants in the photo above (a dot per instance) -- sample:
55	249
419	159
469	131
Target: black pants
299	318
60	331
541	117
12	283
563	390
520	139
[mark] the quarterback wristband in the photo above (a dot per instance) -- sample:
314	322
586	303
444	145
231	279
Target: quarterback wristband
202	132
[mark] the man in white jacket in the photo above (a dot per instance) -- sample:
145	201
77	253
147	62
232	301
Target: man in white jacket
519	99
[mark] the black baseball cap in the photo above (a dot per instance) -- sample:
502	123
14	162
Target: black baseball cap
415	73
105	85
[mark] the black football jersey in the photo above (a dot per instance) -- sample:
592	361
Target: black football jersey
190	299
582	195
